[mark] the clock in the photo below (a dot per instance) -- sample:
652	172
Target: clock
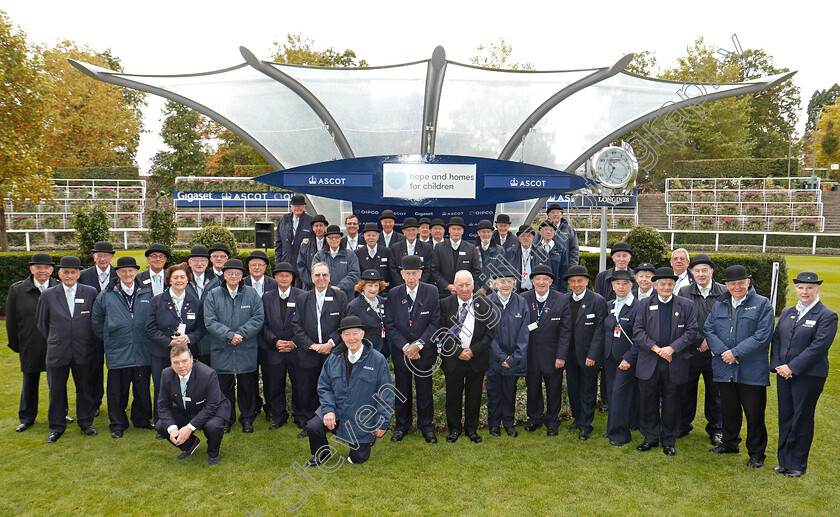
615	167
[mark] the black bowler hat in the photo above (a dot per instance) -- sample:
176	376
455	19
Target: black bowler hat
199	251
298	199
457	221
554	206
484	224
577	271
505	271
219	246
350	322
387	214
525	228
735	273
285	267
41	259
549	224
158	248
370	227
372	275
645	266
333	229
126	262
621	246
807	277
503	218
70	262
701	258
542	269
437	222
233	264
410	222
664	273
103	247
412	262
257	254
319	218
621	274
425	220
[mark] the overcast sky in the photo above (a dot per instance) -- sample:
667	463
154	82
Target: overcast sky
173	37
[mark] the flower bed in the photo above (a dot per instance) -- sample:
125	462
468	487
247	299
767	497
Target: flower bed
809	225
52	222
126	221
727	196
777	197
678	196
708	209
623	221
706	223
106	193
730	224
728	209
232	220
680	209
683	223
186	221
781	225
209	220
130	193
755	224
129	206
805	197
752	195
780	210
23	222
802	210
754	210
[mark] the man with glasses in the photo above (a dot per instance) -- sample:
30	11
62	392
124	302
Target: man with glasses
219	254
343	263
155	276
679	263
351	241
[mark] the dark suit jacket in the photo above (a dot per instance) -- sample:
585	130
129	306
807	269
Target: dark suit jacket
420	324
510	240
304	261
803	345
276	327
373	326
482	334
360	242
646	334
162	322
68	338
396	253
206	398
209	283
514	258
21	326
588	328
444	266
550	340
380	262
144	279
618	348
90	276
286	243
269	284
395	238
305	324
603	284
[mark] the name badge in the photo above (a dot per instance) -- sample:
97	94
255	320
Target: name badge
334	314
810	323
182	328
85	312
147	281
290	304
80	300
190	315
245	307
384	259
342	262
462	253
680	326
617	332
328	298
425	312
653	308
589	316
533	326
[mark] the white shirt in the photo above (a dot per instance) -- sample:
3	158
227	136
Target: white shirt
128	290
704	291
182	379
435	243
371	251
469	322
216	272
355	357
578	298
334	252
409	246
454	244
628	301
199	280
374	303
682	281
106	273
284	294
504	300
804	310
642	295
736	303
543	298
387	237
38	286
258	285
353	243
412	292
231	291
664	301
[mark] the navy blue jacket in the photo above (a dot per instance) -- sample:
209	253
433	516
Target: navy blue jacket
206	398
747	333
144	279
492	261
702	308
276	328
803	345
68	339
90	276
22	327
400	249
646	334
369	392
420	324
305	324
304	261
514	257
558	260
360	308
550	340
286	243
210	281
380	262
603	283
510	340
344	269
123	332
225	316
163	322
619	348
395	238
588	328
510	240
269	284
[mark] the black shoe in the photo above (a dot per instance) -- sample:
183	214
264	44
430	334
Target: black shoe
69	419
572	426
778	469
116	434
683	432
430	437
314	461
511	431
716	439
755	463
494	431
531	427
302	434
276	425
551	432
584	434
720	449
669	451
226	428
147	425
604	408
300	423
794	473
474	437
53	437
618	443
213	460
160	437
453	437
22	427
247	427
90	431
646	446
398	436
269	417
96	414
187	453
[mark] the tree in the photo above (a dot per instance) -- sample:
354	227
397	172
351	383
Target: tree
830	143
95	123
24	94
230	152
819	99
644	64
182	132
92	223
497	54
298	50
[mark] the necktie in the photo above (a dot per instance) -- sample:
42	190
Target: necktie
259	287
71	305
103	280
319	302
411	249
42	287
294	225
157	286
184	391
199	288
283	295
800	308
179	301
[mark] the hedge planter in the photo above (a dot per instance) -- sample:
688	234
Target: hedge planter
781	225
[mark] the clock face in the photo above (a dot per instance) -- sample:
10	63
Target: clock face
614	167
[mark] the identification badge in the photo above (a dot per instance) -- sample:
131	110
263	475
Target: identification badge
147	281
80	300
190	315
810	323
328	298
617	332
533	326
245	307
590	316
462	253
653	308
290	304
384	259
182	328
383	333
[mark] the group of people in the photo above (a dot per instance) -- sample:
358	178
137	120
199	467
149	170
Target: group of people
338	307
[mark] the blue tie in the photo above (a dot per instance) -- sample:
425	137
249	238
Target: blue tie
71	303
184	391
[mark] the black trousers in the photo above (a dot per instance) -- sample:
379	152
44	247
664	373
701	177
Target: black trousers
501	399
85	395
605	387
403	378
547	413
213	431
28	409
734	397
97	378
242	389
583	391
463	383
274	387
159	364
797	404
700	365
624	410
655	427
307	387
119	382
316	431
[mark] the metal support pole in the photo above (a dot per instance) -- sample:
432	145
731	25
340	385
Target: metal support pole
814	245
764	243
717	241
602	265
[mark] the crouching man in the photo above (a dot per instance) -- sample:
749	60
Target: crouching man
356	397
191	399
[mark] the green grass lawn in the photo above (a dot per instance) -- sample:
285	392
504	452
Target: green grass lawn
531	474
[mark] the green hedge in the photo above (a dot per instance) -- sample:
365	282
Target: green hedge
251	171
735	168
225	186
125	172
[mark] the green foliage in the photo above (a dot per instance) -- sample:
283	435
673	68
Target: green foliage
497	54
91	222
231	152
648	245
830	143
298	50
251	171
644	64
160	219
182	133
735	168
117	172
820	99
225	186
210	235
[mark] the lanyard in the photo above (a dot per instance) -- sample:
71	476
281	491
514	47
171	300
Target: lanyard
129	299
536	307
410	306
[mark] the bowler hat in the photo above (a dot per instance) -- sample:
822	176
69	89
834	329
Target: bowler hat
664	273
319	218
807	277
457	221
548	223
199	251
69	262
621	246
645	266
410	222
333	229
284	267
525	228
298	199
424	220
621	274
554	206
219	246
257	254
41	259
103	247
484	224
350	322
735	273
503	218
372	275
158	248
701	258
542	269
505	271
126	262
437	222
370	227
577	271
233	264
411	262
387	214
